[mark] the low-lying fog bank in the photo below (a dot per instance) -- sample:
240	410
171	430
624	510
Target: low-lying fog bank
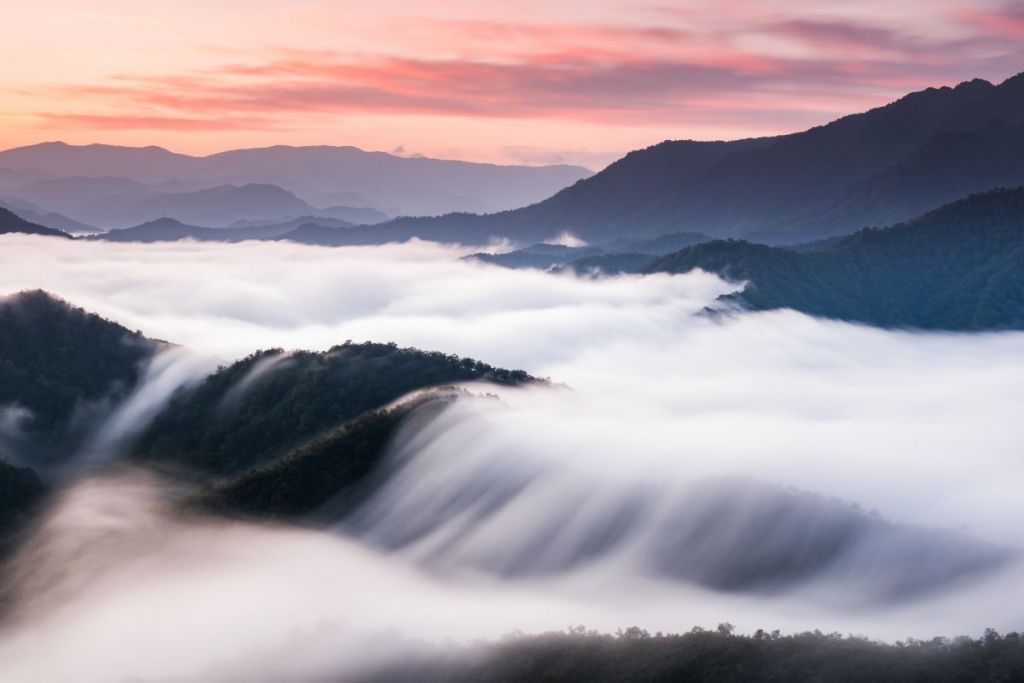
683	469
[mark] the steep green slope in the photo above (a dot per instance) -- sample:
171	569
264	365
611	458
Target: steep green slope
271	402
21	492
59	365
323	471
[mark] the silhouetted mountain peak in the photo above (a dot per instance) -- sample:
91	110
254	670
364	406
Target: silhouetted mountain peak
164	222
1013	82
863	169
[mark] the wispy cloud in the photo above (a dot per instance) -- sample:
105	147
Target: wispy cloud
730	70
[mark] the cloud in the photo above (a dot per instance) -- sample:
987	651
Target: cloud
600	73
1005	21
668	430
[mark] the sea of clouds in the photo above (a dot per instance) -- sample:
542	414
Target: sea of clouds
667	433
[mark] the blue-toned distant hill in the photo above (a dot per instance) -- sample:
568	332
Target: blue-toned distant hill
170	230
625	256
212	206
960	267
322	176
10	222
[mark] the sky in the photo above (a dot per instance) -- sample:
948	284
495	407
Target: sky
521	81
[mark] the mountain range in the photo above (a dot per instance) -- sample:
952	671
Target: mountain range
959	267
875	168
171	230
104	185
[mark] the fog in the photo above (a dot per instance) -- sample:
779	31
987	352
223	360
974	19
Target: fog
681	469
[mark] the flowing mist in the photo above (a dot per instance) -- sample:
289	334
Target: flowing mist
771	470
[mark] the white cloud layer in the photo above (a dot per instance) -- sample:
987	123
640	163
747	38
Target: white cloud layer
923	428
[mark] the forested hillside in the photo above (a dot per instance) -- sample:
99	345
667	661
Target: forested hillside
60	367
720	656
271	402
960	267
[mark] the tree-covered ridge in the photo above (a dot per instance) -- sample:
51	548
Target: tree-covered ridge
718	656
271	402
960	267
21	491
624	256
329	470
55	358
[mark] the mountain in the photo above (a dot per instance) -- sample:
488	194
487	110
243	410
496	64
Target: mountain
56	221
660	245
330	469
333	216
263	406
541	256
357	215
40	216
882	166
119	202
170	230
21	492
12	178
608	264
328	236
321	175
308	425
70	195
960	267
625	256
212	206
60	370
10	222
950	166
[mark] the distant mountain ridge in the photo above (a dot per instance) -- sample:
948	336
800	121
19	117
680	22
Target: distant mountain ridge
624	257
171	230
321	175
212	206
115	203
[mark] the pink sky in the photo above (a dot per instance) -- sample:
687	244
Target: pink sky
519	81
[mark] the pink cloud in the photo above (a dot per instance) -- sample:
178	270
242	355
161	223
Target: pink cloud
1006	21
593	73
